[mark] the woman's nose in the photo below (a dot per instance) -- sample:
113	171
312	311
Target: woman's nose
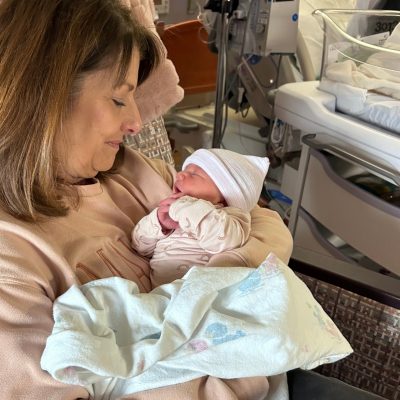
132	123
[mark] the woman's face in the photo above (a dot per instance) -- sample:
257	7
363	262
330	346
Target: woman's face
194	181
100	116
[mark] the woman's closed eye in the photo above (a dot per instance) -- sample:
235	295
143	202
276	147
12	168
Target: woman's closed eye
119	103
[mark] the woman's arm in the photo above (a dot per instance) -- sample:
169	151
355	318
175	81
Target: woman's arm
268	234
27	290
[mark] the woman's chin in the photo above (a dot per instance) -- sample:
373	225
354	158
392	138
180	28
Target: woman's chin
105	165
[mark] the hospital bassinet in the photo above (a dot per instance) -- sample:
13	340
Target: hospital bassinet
337	225
361	64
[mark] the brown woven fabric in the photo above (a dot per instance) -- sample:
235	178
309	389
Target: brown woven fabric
373	330
152	141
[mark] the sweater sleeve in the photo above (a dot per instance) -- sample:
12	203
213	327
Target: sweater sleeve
268	234
26	299
216	229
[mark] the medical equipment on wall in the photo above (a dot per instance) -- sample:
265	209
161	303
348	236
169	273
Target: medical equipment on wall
264	27
246	32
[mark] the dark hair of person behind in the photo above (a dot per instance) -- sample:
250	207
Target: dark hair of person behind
46	48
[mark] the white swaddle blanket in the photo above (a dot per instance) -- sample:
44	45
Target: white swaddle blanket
223	322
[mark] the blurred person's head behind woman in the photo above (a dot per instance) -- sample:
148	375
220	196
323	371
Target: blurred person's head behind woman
68	72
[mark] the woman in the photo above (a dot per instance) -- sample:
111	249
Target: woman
69	196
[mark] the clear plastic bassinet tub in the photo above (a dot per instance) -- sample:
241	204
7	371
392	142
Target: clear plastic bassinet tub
361	63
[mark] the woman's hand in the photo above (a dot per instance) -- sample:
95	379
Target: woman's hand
166	222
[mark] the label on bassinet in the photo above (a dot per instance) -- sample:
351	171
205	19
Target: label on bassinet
341	51
377	40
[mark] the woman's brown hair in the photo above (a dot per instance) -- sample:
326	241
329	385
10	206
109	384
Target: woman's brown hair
46	48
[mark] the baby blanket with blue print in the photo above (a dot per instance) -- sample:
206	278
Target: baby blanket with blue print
223	322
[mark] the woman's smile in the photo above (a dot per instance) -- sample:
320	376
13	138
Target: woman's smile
114	144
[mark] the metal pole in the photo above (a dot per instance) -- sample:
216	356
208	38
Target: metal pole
221	76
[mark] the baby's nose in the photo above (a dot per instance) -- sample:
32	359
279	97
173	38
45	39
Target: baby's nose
180	176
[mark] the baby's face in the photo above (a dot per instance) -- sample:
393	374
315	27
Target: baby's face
193	181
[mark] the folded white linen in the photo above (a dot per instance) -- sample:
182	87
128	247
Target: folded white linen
382	111
349	99
224	322
377	109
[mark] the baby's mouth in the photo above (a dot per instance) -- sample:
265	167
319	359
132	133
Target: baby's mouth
176	189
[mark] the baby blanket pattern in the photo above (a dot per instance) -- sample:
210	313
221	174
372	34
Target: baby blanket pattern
224	322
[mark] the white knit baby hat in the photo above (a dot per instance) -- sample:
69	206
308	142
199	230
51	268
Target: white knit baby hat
239	178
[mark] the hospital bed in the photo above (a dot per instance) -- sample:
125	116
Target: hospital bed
345	236
345	215
350	160
340	148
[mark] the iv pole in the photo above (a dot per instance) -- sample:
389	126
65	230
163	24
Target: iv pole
226	11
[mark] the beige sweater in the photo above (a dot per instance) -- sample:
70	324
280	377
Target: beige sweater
39	262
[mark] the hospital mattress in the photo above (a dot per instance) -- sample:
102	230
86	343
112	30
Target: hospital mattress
311	110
